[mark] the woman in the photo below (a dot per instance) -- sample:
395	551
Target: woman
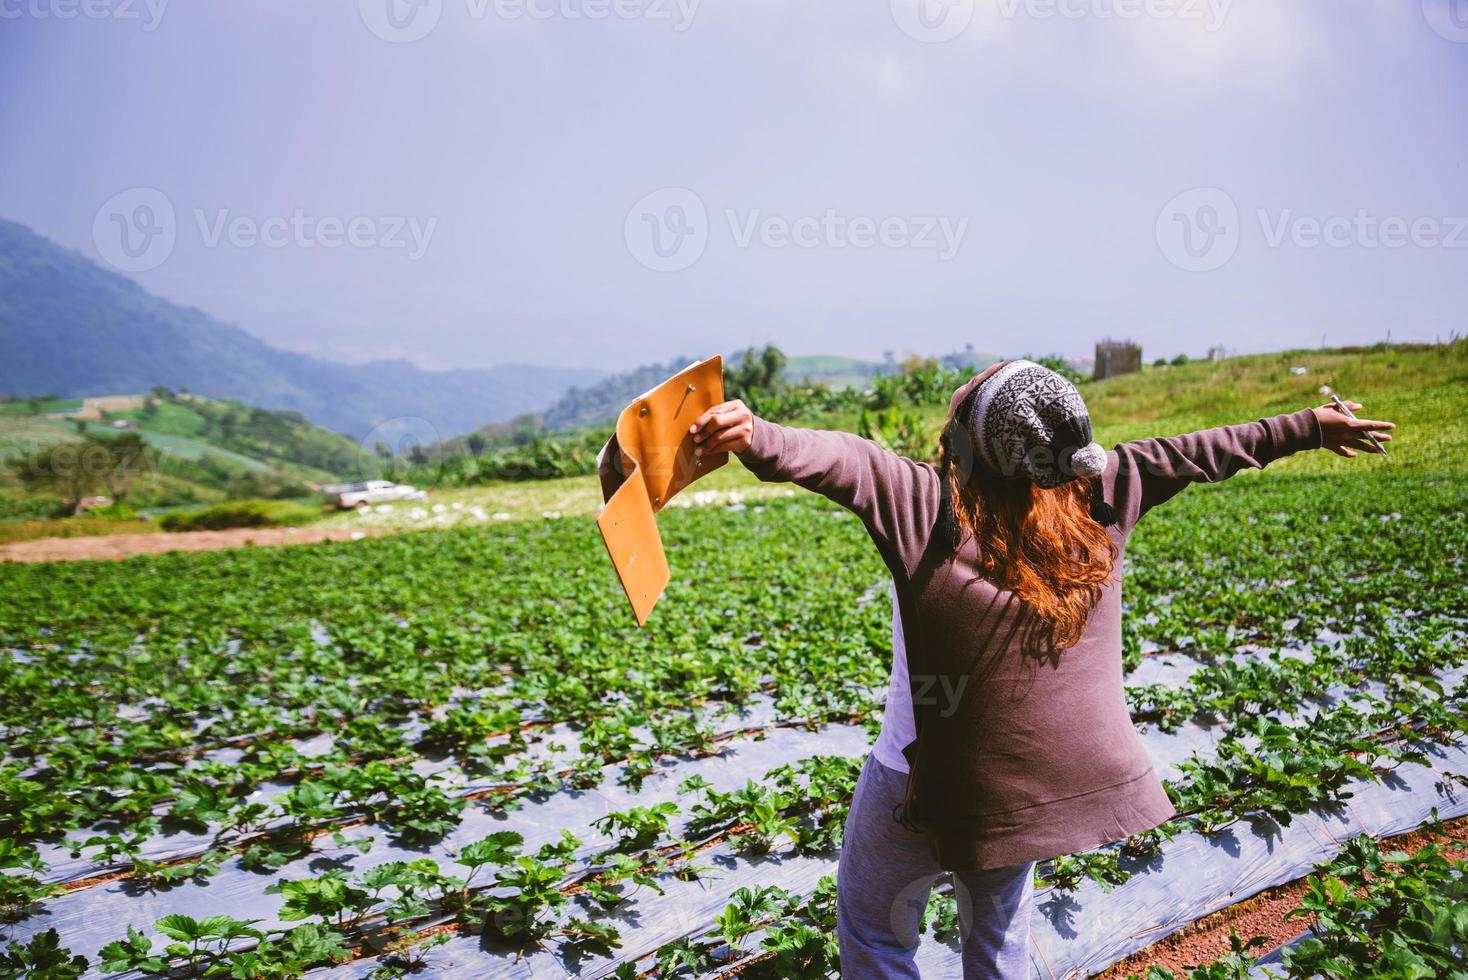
1007	739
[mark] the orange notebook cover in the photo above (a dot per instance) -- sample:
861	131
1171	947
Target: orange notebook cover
645	463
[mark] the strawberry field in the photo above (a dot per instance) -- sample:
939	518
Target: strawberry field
451	751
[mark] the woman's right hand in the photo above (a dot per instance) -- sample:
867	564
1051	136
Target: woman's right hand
1344	435
725	428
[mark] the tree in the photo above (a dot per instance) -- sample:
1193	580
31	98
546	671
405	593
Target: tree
75	470
1180	360
477	443
757	376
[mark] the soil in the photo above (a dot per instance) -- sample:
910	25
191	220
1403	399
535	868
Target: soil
1263	915
117	546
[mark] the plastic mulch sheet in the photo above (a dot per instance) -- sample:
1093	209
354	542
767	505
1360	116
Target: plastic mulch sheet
1075	933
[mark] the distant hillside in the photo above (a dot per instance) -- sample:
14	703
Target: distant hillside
195	450
598	404
71	328
832	369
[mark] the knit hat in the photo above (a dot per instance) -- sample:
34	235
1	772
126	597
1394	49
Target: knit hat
1029	422
1023	422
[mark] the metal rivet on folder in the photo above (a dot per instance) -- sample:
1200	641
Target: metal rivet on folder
642	411
657	501
690	387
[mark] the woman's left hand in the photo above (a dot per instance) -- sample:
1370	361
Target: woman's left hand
725	428
1344	435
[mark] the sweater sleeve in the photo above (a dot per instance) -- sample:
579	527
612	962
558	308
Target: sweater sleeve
895	497
1148	472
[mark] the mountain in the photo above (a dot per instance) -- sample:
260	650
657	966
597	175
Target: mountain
71	328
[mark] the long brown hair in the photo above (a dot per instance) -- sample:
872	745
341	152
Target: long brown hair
1047	546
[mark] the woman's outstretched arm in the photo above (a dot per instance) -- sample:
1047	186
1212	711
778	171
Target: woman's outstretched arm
895	497
1151	471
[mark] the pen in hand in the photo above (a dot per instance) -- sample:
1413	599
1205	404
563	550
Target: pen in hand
1346	410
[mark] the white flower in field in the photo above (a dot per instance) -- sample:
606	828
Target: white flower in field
439	508
358	535
456	505
384	508
1324	390
418	514
735	507
500	515
1297	371
478	513
550	513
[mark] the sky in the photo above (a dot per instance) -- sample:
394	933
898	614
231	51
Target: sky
606	183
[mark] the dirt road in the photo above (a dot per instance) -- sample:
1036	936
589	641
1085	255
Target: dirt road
115	546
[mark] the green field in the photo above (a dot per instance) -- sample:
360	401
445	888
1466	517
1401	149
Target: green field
332	739
198	451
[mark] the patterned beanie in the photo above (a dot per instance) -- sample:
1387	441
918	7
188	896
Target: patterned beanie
1029	422
1022	422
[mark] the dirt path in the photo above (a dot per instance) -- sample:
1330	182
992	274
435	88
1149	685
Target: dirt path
1263	915
115	546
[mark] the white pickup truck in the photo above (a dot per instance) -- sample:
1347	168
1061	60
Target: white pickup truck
349	495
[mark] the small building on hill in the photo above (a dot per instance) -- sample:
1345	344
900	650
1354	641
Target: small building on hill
1115	357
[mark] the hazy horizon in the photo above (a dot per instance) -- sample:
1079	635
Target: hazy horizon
605	184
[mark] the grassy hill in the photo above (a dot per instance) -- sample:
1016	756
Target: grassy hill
198	450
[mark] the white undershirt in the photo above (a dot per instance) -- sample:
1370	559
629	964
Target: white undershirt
898	727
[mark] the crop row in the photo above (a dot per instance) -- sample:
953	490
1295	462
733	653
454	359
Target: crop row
423	664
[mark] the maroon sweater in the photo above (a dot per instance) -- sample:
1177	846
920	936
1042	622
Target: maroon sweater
1019	756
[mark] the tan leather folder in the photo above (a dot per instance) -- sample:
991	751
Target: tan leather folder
648	460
